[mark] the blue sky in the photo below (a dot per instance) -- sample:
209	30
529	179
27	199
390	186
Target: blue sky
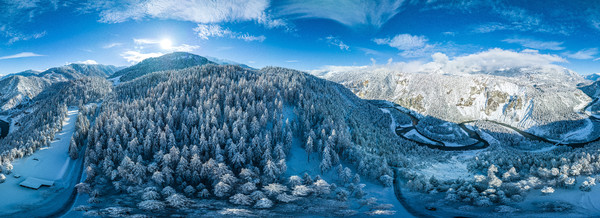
305	35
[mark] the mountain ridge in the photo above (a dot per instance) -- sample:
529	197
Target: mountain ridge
23	86
522	97
171	61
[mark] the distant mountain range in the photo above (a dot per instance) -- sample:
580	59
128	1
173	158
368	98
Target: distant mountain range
593	77
226	62
522	97
21	87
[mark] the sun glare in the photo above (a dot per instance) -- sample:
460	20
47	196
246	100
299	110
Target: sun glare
166	44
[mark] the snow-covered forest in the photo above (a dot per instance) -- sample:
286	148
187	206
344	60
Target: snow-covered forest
38	124
286	108
229	140
224	132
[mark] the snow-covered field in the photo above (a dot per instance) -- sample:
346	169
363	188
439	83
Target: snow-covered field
116	81
51	163
454	168
581	133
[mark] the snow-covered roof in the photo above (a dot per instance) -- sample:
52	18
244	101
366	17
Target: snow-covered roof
35	183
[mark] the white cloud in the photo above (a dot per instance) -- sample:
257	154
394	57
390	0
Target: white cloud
249	38
112	45
199	11
512	17
535	44
369	51
291	61
16	36
489	61
489	27
148	48
184	48
15	15
583	54
403	41
20	55
335	41
530	51
353	13
498	59
418	52
157	43
440	58
515	21
205	31
146	41
135	56
411	46
87	62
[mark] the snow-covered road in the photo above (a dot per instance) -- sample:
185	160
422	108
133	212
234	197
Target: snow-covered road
50	163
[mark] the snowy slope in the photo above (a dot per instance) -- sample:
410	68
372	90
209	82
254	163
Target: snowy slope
522	97
21	87
52	163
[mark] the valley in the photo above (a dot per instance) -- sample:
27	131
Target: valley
179	141
287	108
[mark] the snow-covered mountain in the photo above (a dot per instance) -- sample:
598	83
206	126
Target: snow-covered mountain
172	61
593	77
226	62
522	96
75	71
21	87
23	73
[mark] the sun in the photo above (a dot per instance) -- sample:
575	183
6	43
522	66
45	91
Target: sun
166	44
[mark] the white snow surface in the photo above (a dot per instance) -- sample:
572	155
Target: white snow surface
454	168
452	144
413	134
116	81
51	163
393	124
582	133
521	97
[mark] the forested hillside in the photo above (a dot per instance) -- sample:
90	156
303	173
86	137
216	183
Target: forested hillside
39	123
172	61
224	132
20	88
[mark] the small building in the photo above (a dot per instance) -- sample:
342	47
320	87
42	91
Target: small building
35	183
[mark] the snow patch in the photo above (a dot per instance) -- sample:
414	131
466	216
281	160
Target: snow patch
413	134
116	81
393	124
